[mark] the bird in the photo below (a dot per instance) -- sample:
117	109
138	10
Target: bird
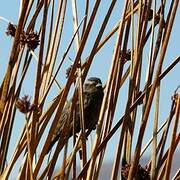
92	100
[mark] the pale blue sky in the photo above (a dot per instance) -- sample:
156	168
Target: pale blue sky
9	10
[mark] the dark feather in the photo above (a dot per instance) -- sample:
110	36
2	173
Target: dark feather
92	97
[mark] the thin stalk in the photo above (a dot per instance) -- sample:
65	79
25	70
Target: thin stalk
80	87
154	142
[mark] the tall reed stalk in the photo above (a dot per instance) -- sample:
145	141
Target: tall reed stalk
40	34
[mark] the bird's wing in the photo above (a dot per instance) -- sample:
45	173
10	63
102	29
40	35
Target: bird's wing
61	124
87	99
64	118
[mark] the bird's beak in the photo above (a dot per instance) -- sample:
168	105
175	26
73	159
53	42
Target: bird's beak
99	85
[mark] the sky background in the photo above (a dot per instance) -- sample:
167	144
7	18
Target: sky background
9	9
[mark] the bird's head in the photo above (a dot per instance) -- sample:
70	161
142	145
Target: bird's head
93	83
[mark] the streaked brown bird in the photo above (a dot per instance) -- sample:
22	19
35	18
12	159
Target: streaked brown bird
92	100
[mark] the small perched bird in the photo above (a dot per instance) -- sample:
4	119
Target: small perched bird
92	100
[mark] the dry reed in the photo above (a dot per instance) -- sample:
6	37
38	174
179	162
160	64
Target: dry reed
39	34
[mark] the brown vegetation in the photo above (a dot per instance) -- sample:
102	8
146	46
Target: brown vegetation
39	31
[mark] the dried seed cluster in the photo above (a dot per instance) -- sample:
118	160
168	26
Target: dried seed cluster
126	55
24	105
11	30
68	70
31	39
142	173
